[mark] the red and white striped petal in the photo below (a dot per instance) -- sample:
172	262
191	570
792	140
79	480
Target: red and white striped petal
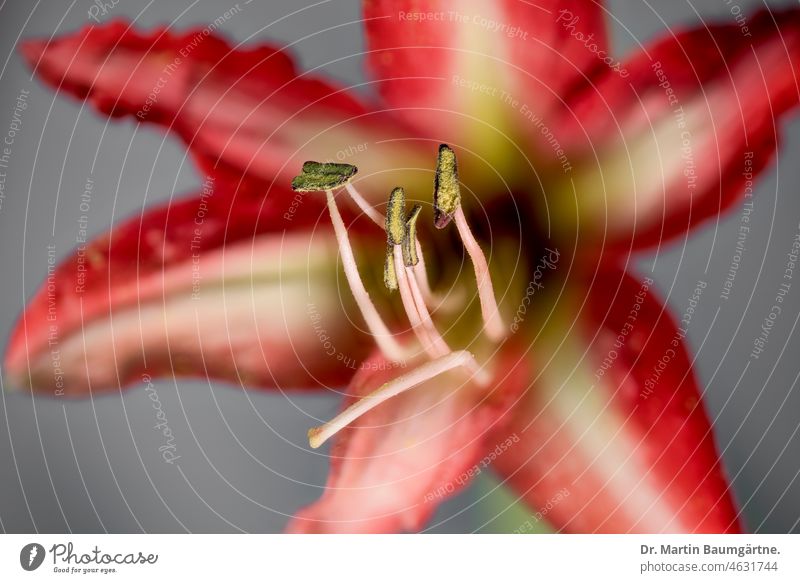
246	113
392	467
233	288
463	56
614	437
473	73
675	142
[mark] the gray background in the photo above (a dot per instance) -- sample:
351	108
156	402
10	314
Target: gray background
93	466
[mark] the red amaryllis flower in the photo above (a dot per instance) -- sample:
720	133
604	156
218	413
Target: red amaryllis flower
564	372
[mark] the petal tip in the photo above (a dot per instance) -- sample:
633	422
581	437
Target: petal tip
32	51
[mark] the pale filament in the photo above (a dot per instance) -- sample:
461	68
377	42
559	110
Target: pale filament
433	344
383	337
424	314
411	286
421	272
481	376
493	323
378	218
365	207
432	300
401	384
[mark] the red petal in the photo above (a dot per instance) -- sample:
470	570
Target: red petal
243	111
647	170
465	57
614	435
392	467
208	286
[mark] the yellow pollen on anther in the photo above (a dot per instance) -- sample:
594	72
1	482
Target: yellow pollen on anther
389	273
396	217
446	189
410	256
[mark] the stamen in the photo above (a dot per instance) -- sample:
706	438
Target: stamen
419	268
494	326
447	205
319	435
395	275
433	344
319	176
383	337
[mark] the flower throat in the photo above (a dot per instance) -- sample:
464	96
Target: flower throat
404	271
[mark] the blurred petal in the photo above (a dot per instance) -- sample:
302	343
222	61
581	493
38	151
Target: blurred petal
476	74
237	289
614	436
675	142
465	57
392	467
246	113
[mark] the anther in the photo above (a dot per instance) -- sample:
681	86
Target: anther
396	217
395	232
410	256
319	176
446	190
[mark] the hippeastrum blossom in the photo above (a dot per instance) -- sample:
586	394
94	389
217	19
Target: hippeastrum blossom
515	336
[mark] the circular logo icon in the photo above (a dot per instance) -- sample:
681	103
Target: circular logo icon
31	556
